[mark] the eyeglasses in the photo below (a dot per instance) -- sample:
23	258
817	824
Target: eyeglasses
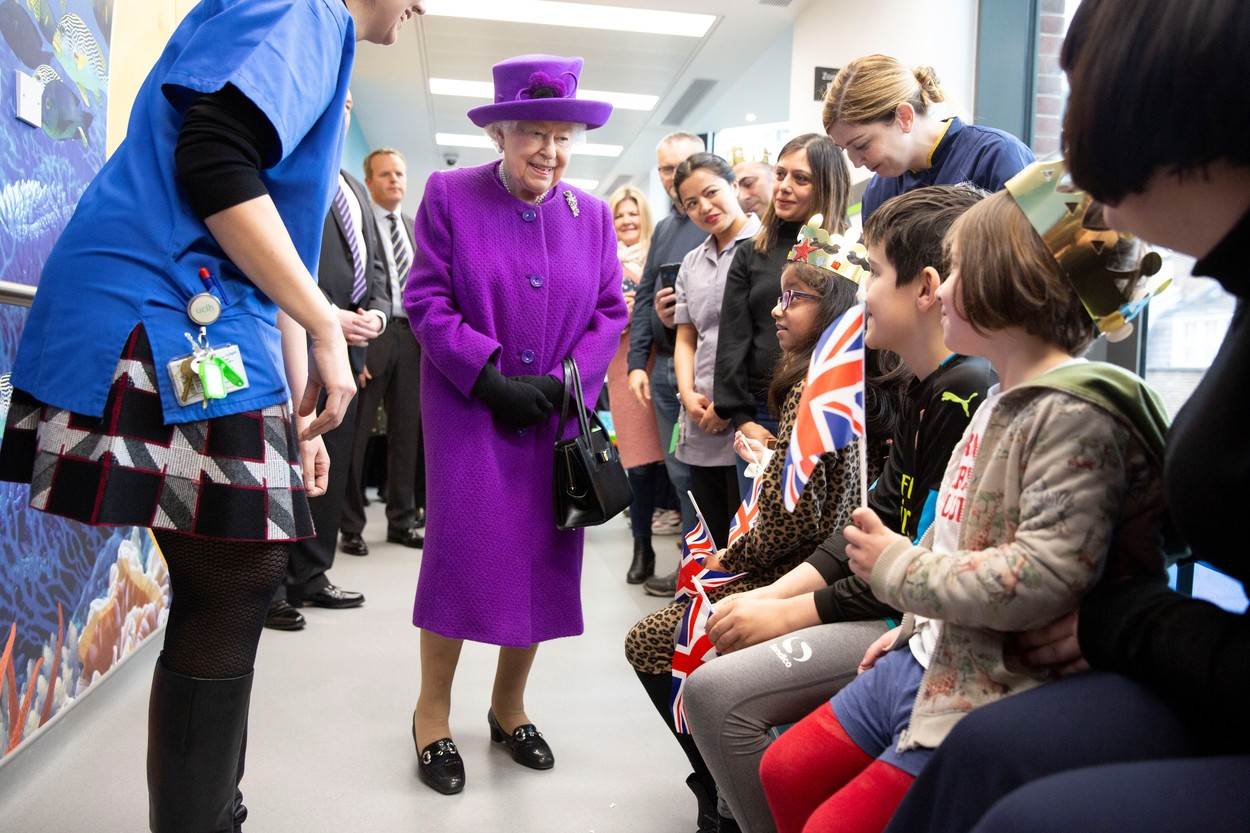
788	297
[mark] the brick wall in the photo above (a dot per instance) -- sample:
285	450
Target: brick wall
1050	87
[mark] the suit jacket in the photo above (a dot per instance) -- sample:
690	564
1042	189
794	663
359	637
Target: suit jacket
336	273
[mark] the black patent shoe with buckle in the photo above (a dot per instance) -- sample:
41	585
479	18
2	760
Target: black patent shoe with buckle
440	766
526	744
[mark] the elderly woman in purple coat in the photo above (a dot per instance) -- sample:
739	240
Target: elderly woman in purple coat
514	271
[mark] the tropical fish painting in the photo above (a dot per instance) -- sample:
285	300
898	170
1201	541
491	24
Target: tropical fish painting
45	18
45	74
74	600
64	114
103	17
22	35
81	57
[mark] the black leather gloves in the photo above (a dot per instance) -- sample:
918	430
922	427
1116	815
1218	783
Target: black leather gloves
551	387
518	401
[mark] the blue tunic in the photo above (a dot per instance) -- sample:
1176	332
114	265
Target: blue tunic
133	250
985	156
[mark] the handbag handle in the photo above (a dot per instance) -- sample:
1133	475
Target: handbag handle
573	390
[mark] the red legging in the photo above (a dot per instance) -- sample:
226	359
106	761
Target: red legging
819	781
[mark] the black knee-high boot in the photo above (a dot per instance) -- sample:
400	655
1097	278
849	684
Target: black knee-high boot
196	731
240	811
659	688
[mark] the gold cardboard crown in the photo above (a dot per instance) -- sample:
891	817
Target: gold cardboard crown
1111	271
831	252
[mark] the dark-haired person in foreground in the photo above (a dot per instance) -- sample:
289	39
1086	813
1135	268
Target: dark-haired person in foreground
1157	736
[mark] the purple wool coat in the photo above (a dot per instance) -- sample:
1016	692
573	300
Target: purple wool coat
524	286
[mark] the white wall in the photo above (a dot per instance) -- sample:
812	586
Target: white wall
830	33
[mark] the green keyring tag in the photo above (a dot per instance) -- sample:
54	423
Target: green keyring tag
212	379
228	372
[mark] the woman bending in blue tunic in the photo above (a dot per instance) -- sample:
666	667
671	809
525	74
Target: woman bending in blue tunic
154	376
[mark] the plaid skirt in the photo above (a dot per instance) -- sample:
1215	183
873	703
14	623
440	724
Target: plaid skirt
234	478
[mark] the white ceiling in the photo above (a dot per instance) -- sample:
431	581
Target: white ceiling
393	106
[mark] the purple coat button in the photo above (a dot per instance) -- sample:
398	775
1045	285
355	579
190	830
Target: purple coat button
527	357
536	281
529	215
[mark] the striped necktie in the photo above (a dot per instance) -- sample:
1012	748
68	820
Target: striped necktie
349	229
402	261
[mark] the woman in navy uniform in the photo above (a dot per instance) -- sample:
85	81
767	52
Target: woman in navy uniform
176	319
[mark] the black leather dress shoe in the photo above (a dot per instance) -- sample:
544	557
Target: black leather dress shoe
353	544
408	537
420	519
330	596
440	766
282	617
525	743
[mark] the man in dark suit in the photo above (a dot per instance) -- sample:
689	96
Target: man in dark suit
392	374
353	276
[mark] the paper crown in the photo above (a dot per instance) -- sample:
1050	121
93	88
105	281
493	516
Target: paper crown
1112	271
831	252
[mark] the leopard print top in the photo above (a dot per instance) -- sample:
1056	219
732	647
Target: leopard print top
779	541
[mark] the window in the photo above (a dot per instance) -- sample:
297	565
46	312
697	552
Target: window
1050	85
1186	324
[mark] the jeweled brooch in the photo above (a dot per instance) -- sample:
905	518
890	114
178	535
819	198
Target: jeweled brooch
571	199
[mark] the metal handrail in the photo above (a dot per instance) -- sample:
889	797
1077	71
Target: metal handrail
17	294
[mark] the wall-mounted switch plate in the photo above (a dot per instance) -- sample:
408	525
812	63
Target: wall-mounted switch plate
29	100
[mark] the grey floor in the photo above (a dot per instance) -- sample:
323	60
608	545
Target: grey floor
330	747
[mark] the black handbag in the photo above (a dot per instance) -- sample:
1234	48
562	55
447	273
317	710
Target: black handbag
591	487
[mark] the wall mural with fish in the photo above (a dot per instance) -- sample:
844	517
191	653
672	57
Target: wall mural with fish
74	600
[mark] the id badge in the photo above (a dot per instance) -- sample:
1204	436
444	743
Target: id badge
221	367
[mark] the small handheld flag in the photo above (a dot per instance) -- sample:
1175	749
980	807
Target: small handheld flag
831	410
748	513
691	648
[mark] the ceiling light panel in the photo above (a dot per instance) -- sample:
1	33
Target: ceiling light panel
576	15
480	140
584	184
486	90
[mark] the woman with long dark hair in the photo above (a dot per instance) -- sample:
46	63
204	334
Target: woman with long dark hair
812	178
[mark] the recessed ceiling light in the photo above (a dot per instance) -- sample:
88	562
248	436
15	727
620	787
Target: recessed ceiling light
751	117
480	140
584	184
486	90
576	15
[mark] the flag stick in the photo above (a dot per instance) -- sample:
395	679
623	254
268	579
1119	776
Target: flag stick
863	441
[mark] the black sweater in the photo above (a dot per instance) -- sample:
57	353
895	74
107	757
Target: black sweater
905	495
1190	651
224	143
746	348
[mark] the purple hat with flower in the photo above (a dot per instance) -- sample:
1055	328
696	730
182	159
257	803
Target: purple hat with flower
540	88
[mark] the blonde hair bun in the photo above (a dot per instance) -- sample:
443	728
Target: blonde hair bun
930	84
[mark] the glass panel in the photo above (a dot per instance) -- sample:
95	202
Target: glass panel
1186	325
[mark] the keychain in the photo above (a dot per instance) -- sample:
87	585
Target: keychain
213	371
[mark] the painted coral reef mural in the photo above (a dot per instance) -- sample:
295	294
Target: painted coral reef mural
74	600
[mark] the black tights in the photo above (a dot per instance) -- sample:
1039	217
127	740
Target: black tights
221	591
659	688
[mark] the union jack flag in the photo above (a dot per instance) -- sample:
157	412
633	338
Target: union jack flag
691	574
831	410
691	649
748	513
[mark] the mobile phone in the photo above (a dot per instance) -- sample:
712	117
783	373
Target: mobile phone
668	275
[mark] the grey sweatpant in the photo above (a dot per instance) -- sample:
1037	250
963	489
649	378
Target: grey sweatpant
733	701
